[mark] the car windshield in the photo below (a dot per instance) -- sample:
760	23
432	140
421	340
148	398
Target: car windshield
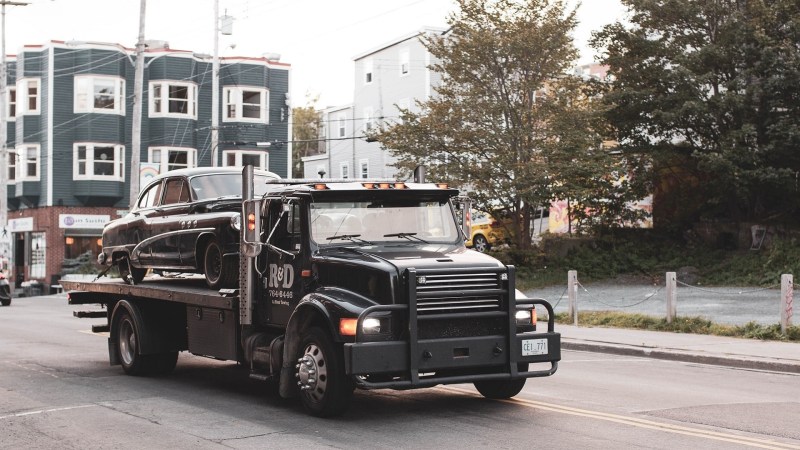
218	185
411	221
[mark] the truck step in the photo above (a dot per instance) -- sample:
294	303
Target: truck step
89	314
259	376
100	328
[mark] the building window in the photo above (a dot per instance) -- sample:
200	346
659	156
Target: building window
96	94
29	87
241	158
368	71
27	167
99	162
364	163
245	104
11	102
404	62
12	165
342	125
173	99
344	170
172	158
368	119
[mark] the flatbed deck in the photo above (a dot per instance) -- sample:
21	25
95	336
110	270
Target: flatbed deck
189	290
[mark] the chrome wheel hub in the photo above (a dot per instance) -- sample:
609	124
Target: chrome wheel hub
312	372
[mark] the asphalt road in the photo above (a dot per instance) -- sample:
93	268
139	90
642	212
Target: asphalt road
724	305
57	390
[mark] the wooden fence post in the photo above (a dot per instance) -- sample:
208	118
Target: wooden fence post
672	296
572	290
787	294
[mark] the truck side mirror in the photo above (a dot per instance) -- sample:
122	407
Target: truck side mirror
251	224
463	206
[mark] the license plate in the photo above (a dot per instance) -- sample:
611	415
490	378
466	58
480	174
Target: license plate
531	347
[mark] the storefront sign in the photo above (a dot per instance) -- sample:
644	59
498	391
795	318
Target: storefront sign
20	225
96	222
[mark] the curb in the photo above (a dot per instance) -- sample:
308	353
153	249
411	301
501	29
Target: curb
682	355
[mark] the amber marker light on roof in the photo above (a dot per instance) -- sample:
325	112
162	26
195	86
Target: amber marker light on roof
441	185
320	187
385	185
368	185
399	185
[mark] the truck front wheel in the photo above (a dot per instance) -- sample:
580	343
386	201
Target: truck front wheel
501	389
128	349
325	389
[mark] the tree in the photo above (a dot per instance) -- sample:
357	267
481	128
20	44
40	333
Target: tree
306	128
506	120
708	91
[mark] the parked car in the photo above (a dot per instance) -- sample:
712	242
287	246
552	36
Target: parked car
486	232
185	220
5	290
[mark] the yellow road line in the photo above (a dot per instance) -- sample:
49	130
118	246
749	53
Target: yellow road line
641	423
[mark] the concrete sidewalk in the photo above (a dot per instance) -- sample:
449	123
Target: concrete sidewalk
698	348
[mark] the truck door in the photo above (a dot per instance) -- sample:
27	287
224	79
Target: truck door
282	282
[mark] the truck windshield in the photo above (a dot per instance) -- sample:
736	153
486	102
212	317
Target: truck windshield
416	221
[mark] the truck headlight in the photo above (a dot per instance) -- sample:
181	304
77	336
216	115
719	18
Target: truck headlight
371	326
236	222
523	317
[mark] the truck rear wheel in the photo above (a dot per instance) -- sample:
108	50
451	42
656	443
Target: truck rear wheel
325	389
501	389
133	362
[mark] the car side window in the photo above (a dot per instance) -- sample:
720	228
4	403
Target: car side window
177	191
150	197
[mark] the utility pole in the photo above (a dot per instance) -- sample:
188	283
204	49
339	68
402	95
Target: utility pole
4	127
215	90
138	80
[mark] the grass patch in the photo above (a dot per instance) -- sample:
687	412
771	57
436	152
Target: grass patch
692	325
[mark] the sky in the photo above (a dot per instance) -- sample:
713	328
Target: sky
319	38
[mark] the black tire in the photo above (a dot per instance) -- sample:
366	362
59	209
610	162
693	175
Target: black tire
502	389
5	302
132	361
218	274
325	389
479	243
130	274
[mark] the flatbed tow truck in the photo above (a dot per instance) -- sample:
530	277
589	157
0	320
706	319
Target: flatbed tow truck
343	285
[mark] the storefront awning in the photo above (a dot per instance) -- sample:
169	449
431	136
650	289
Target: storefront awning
82	232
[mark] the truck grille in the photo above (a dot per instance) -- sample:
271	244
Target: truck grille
458	292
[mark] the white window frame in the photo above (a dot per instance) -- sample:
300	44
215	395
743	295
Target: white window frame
233	104
155	155
369	74
163	89
11	91
85	94
119	162
23	161
264	157
344	170
341	125
362	165
24	85
404	62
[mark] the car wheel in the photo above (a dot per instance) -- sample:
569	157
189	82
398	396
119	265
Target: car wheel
325	389
5	302
218	274
130	274
479	243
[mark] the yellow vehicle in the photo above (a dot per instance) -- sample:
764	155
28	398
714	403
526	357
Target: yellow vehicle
486	232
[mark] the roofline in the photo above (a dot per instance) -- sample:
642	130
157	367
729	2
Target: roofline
403	38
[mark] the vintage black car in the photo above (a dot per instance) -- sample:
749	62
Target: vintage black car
185	220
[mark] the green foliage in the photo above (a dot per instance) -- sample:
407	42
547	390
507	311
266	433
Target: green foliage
506	122
714	84
695	325
306	127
